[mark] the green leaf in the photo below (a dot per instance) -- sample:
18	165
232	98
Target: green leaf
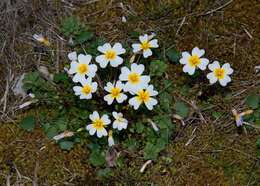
181	109
97	158
66	145
60	78
139	127
258	143
165	101
83	36
28	123
105	173
173	55
216	114
253	101
157	68
51	132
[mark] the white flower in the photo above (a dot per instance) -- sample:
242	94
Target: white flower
110	54
144	96
80	66
85	91
120	122
98	124
193	61
40	38
220	74
134	78
146	44
111	141
115	93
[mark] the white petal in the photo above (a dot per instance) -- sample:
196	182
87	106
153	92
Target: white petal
185	55
214	65
227	68
212	78
119	85
143	38
122	97
119	49
136	48
78	77
102	61
139	69
183	61
114	114
105	119
101	132
134	102
116	62
83	96
104	48
85	59
91	129
189	69
92	70
72	56
198	52
223	82
150	103
147	53
94	116
203	63
94	87
154	43
151	90
108	87
145	80
108	98
124	74
73	67
77	88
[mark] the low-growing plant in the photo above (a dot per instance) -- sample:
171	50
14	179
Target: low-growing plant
112	98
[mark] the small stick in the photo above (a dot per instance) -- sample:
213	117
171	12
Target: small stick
145	165
216	9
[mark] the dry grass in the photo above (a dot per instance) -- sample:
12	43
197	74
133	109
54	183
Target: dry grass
217	155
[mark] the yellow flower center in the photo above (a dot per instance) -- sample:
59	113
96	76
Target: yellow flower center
98	124
219	73
115	92
143	96
82	68
134	78
145	45
194	60
110	55
86	89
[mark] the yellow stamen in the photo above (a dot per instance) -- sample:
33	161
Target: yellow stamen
110	55
194	60
219	73
145	45
86	89
115	92
98	124
134	78
82	68
143	96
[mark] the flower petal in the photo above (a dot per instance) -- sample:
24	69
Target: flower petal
134	102
119	49
116	62
121	98
109	99
136	48
150	103
92	70
102	61
198	52
189	69
212	78
73	67
223	82
154	43
143	38
85	59
203	63
227	68
147	53
72	56
94	116
139	69
104	48
105	119
124	74
214	65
